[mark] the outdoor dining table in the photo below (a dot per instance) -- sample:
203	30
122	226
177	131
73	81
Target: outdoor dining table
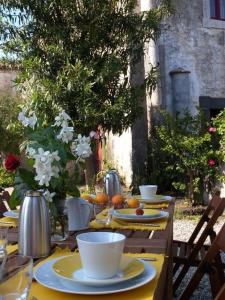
140	243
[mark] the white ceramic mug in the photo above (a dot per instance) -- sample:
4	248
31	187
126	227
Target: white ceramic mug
100	253
79	213
147	191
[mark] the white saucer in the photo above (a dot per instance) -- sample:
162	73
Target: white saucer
156	199
69	268
140	219
11	214
46	276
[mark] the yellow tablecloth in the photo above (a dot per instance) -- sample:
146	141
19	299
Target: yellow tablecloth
160	205
118	224
8	222
145	292
11	248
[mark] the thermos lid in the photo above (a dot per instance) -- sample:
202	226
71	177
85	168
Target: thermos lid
31	193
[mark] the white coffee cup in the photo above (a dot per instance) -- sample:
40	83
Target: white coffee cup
100	253
147	191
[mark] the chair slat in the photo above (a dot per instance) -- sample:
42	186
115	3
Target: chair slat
192	252
210	264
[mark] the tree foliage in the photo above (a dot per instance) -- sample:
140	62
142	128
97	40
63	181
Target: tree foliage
77	55
10	130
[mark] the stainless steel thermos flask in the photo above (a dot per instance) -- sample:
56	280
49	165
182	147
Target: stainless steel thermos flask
34	226
112	184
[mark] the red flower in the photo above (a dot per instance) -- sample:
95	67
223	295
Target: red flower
212	129
11	163
211	162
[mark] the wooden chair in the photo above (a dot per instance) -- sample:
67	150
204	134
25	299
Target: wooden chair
187	254
221	293
212	266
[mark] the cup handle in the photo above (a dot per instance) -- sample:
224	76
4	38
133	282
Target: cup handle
89	216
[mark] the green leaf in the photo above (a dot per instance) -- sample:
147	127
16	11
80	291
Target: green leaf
14	200
28	178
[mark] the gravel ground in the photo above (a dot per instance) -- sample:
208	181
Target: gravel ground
182	231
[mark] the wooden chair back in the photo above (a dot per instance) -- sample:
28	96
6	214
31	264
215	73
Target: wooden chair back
213	211
211	265
202	231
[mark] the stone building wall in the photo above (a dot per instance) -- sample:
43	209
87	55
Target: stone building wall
190	44
7	86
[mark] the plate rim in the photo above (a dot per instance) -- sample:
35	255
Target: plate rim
163	214
155	201
100	282
15	216
133	216
148	275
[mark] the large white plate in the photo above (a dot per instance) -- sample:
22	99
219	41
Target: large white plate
69	268
157	199
45	276
11	214
139	219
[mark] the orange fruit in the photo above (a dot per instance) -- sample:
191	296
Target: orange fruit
87	197
101	198
117	199
133	202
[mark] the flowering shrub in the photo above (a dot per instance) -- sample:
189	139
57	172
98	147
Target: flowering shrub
48	149
185	155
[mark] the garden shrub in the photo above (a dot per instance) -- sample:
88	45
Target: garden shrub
184	155
6	178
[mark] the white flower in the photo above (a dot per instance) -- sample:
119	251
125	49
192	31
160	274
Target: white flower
30	151
55	156
32	121
44	166
65	134
48	196
62	119
27	121
81	147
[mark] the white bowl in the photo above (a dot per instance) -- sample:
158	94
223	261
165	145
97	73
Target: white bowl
148	191
100	253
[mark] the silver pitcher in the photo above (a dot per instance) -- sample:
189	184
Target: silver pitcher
34	226
112	184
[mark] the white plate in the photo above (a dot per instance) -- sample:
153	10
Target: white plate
139	219
11	214
45	276
131	213
156	199
69	268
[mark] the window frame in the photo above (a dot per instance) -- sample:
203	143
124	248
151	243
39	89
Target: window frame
217	11
207	21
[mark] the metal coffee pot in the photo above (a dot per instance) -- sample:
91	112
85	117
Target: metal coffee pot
34	226
112	184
